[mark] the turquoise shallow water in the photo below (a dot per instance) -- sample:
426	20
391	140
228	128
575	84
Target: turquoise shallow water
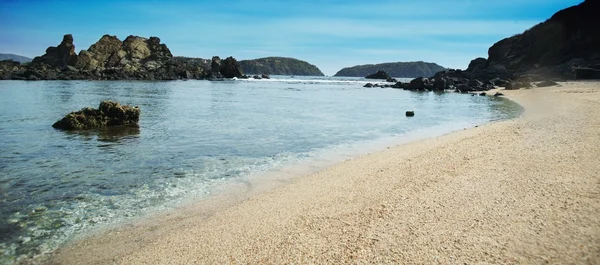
194	136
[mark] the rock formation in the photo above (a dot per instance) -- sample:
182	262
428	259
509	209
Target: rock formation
135	58
230	68
109	113
60	56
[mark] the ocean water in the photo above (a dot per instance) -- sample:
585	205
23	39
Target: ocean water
194	137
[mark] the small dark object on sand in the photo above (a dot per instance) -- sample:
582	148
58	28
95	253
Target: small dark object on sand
498	94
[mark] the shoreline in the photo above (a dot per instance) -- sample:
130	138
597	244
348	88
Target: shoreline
344	212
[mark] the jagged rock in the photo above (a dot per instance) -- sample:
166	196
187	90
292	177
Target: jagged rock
477	64
546	83
419	83
265	76
215	64
60	56
379	75
109	113
230	68
105	53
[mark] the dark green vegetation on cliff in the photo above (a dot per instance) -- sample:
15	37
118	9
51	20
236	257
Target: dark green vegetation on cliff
398	69
279	66
14	57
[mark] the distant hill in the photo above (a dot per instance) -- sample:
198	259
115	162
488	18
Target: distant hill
279	66
14	57
399	69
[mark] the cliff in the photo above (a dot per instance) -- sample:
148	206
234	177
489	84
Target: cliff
570	38
398	69
279	66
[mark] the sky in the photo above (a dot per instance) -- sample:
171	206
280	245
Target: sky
331	34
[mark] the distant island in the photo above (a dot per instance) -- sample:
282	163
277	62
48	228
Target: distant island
14	57
279	66
398	69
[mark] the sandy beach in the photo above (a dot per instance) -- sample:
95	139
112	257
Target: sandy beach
525	190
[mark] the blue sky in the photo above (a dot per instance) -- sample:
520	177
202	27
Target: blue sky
330	34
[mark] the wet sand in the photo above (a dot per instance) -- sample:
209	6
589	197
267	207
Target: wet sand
525	190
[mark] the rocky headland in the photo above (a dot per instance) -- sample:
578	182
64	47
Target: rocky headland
397	69
564	47
279	66
135	58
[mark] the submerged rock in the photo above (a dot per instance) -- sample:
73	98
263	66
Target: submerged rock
109	113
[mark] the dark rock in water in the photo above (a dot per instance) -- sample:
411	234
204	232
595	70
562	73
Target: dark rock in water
401	85
586	73
546	83
498	94
410	113
60	56
230	68
368	85
440	83
392	80
257	77
419	83
265	76
477	64
482	94
379	75
109	113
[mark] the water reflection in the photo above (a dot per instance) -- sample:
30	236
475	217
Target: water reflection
110	134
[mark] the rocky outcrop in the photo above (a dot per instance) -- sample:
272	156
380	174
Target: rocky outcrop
135	58
230	68
60	56
109	113
379	75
